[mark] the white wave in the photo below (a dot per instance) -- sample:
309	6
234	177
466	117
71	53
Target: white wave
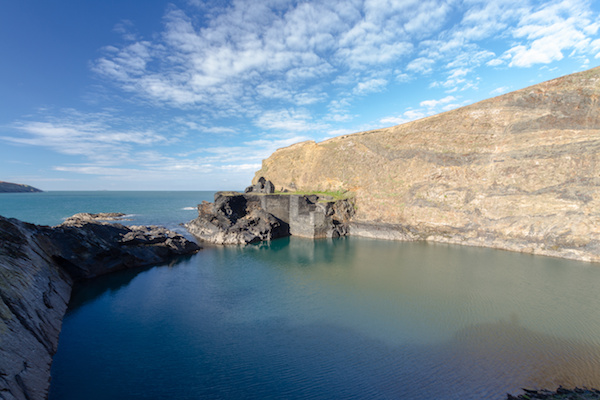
189	208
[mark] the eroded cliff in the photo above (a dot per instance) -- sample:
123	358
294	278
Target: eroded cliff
517	172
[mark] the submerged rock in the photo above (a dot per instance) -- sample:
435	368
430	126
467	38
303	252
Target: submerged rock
38	265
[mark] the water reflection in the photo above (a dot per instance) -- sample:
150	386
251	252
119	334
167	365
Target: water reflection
345	318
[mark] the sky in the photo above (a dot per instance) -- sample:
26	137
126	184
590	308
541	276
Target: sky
193	94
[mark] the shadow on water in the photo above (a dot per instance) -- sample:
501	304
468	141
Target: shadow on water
87	291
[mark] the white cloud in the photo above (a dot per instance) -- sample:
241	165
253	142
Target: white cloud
500	90
551	30
435	103
495	62
91	136
254	48
407	116
421	64
288	120
370	86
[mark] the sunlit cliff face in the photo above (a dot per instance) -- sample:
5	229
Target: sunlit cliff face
517	171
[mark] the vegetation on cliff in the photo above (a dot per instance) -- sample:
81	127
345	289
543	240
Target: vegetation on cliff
519	172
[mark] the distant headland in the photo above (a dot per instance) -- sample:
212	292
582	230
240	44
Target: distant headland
8	187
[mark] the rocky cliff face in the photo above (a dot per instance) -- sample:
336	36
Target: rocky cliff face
34	293
518	172
38	265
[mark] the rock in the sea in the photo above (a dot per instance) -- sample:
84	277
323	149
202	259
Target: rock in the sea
38	265
235	219
90	217
242	218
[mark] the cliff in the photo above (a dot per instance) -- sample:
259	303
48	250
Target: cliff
7	187
517	172
38	266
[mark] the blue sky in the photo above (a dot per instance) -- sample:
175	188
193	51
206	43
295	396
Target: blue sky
192	94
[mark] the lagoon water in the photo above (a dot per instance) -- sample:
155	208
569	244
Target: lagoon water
296	318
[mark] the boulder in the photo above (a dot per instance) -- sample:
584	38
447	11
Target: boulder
261	186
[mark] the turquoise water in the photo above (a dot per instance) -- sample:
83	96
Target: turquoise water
344	318
143	208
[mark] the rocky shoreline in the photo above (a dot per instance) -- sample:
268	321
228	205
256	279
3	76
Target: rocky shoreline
559	394
38	266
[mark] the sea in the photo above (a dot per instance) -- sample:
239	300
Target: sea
346	318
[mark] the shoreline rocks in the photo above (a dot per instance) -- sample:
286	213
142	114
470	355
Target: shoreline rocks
560	393
38	266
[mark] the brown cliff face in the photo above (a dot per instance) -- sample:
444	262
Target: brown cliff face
519	172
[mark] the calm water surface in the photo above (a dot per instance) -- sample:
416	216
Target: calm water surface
296	319
347	318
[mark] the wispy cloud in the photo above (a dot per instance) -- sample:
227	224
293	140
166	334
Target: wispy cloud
89	135
233	83
297	53
436	103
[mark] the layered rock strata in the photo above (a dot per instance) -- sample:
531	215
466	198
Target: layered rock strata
254	216
38	266
518	172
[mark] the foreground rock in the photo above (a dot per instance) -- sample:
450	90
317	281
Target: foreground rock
518	172
38	266
560	393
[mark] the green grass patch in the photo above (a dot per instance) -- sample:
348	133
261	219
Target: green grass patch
333	195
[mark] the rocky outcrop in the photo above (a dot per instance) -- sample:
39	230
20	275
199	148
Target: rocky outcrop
90	217
517	172
38	265
261	186
8	187
235	218
259	215
88	249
